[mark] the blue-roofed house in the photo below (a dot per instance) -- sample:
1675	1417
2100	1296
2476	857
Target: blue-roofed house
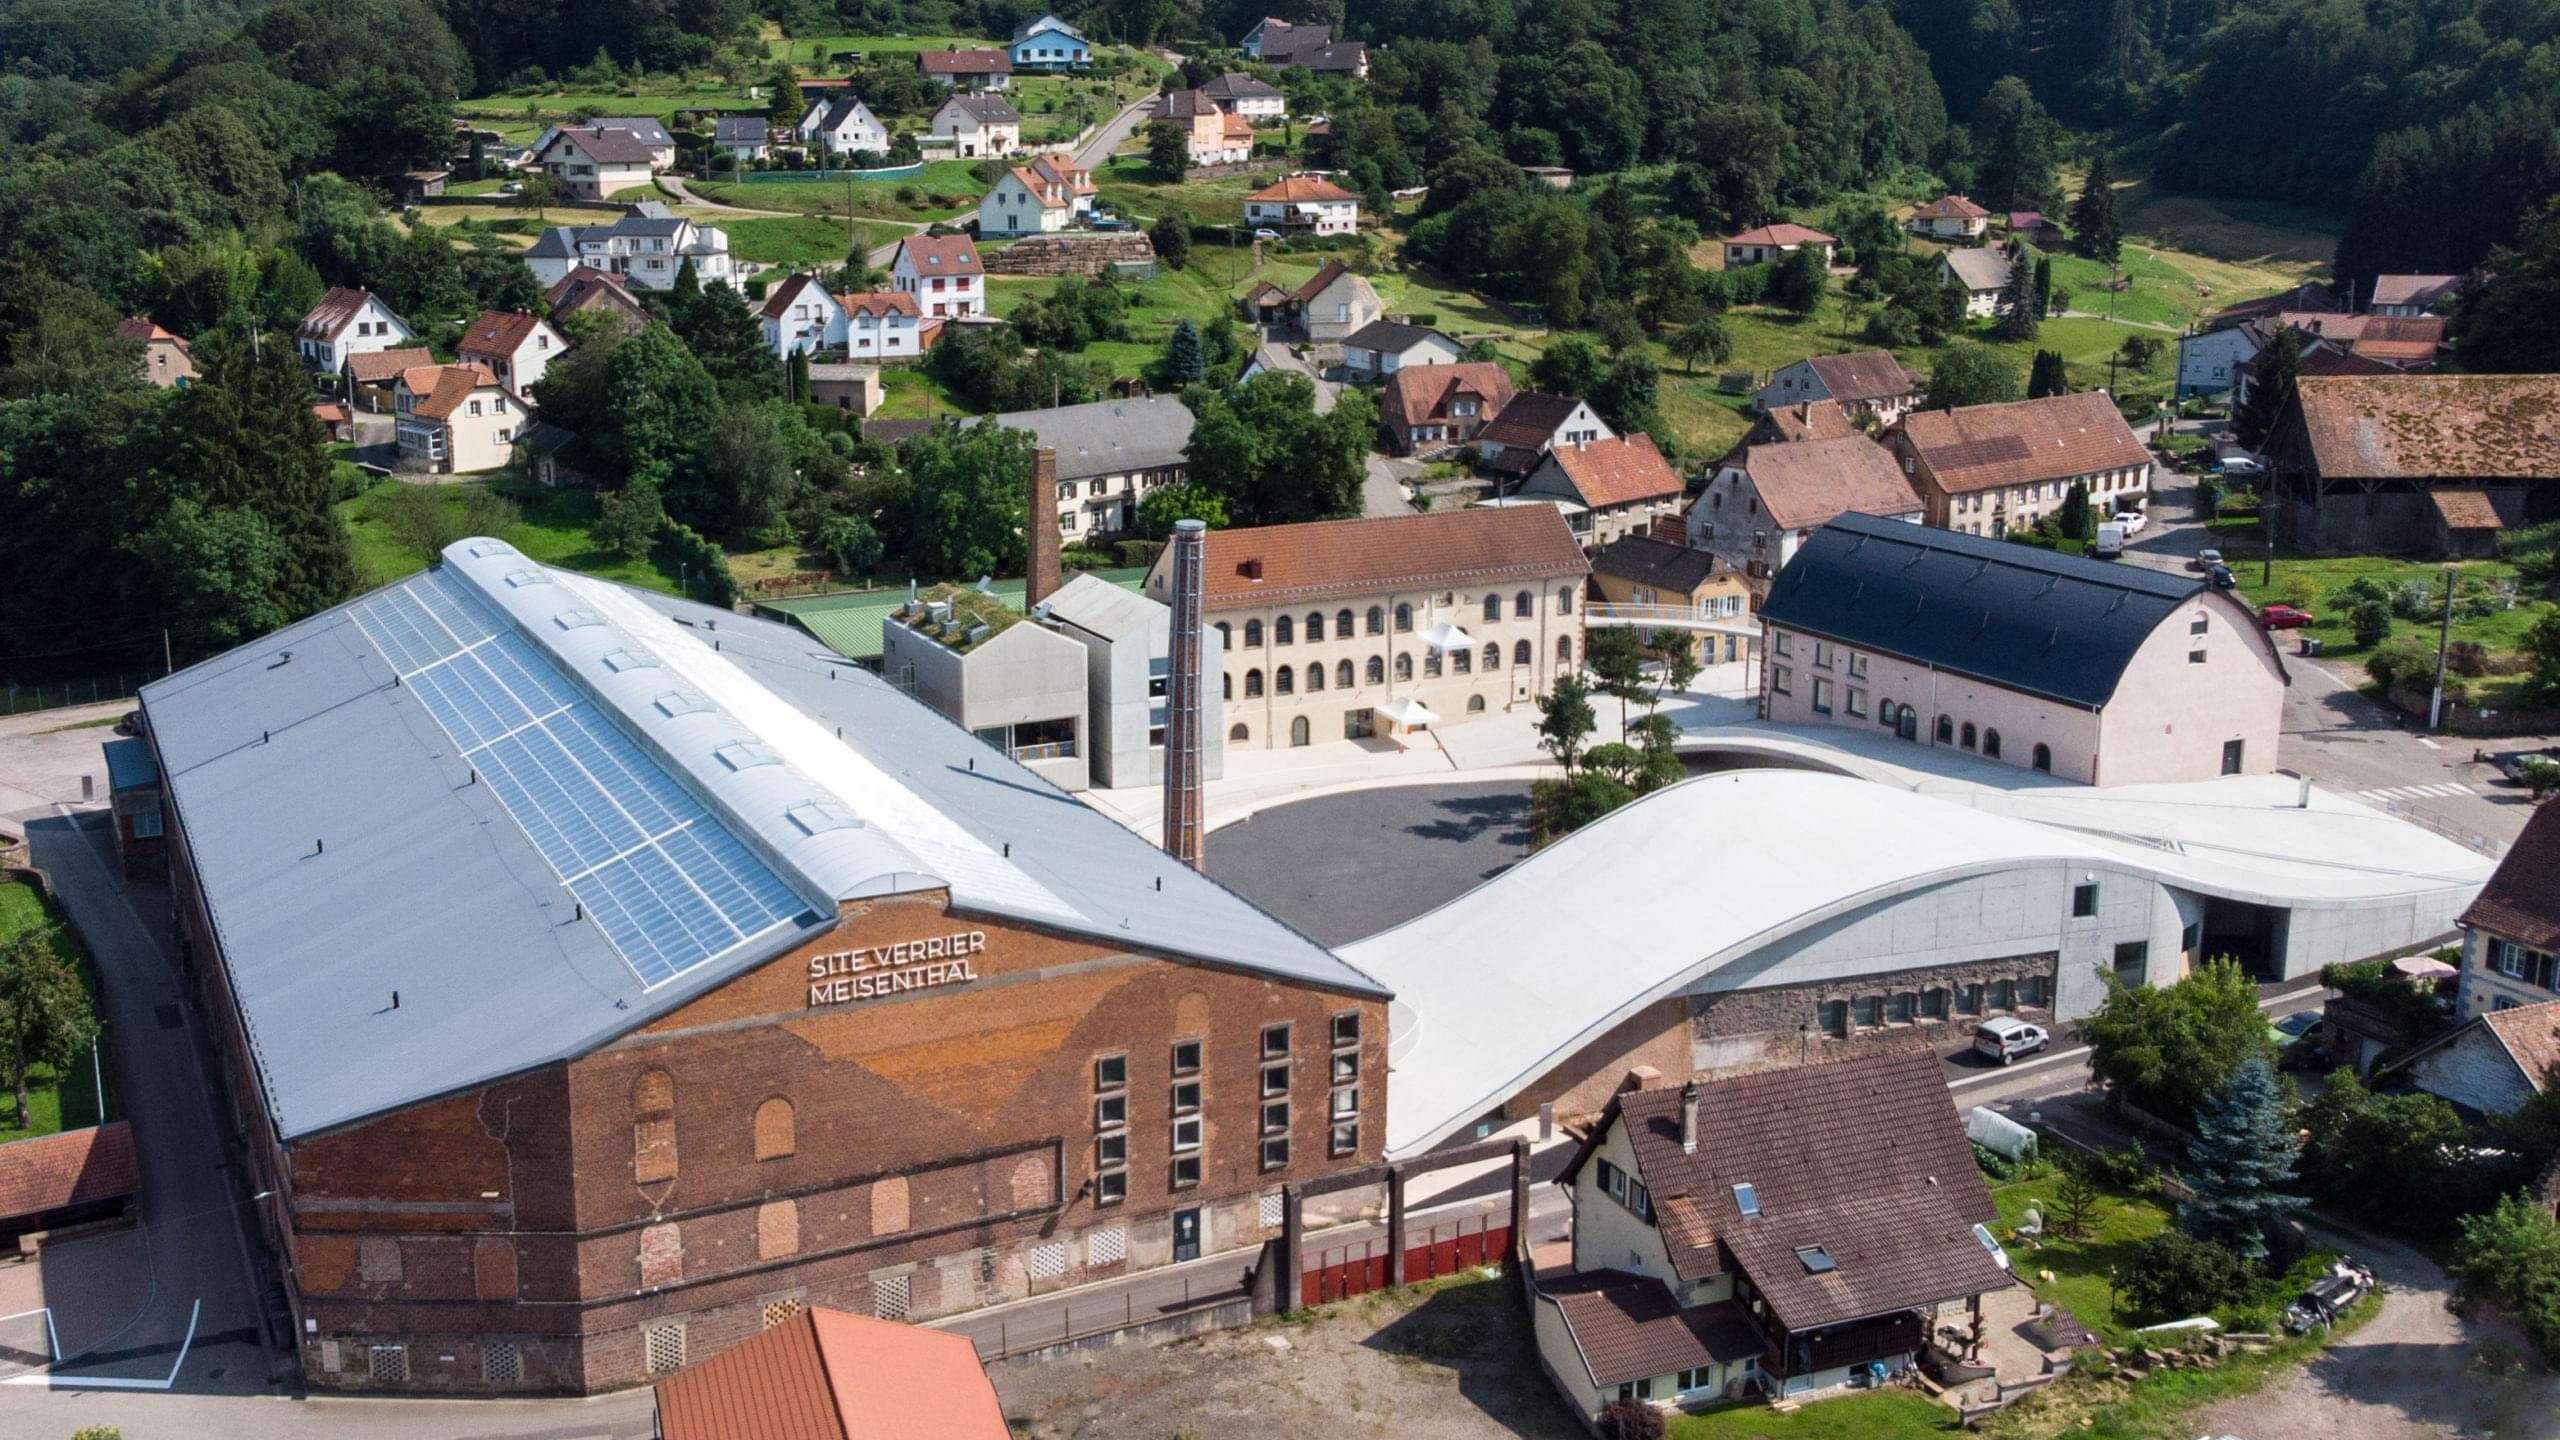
2101	672
1046	42
590	968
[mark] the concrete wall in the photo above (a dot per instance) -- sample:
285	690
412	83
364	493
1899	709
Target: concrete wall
1119	681
2171	714
1026	674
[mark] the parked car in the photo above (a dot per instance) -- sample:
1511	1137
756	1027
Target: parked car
512	187
2241	465
2108	543
1266	234
2283	617
2205	560
2006	1038
2346	1283
2131	520
2221	578
2297	1038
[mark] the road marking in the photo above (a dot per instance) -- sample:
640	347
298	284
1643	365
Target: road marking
2442	790
2430	744
111	1382
52	1337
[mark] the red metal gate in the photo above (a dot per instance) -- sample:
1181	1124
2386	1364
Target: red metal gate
1341	1272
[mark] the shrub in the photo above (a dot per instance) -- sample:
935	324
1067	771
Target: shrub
2467	657
1630	1420
2414	601
2362	588
1139	554
2402	662
2175	1274
2370	620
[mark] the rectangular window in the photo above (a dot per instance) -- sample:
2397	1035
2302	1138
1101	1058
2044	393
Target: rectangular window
1275	1079
1782	679
1346	1102
1821	697
1186	1097
1821	655
1110	1187
1857	702
1110	1111
2133	962
1275	1041
1857	666
1186	1057
2196	626
1186	1135
1186	1171
2195	657
1275	1117
1275	1152
2084	900
1346	1064
1779	643
1111	1151
1346	1029
1747	1200
1345	1139
1110	1072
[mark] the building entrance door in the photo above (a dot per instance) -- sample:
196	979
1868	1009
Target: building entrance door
1186	1235
1298	732
1357	724
1908	727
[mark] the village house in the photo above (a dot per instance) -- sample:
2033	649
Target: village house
2511	933
943	273
1345	629
1984	274
1621	483
843	125
648	245
742	137
1329	307
1717	1253
1258	101
966	69
2330	344
1047	194
1764	243
2492	1064
2413	294
586	289
2210	361
370	377
1808	420
166	359
977	124
1642	570
884	325
1046	42
2370	463
347	322
592	163
1427	408
2103	673
455	419
514	348
1383	347
1949	217
648	130
1110	453
1767	500
2032	227
1281	45
1532	423
1869	382
1303	204
843	386
1210	135
1990	469
799	314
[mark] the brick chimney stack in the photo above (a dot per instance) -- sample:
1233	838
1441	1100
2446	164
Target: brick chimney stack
1186	836
1041	581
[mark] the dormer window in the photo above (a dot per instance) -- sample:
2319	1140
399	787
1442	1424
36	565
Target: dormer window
1747	1200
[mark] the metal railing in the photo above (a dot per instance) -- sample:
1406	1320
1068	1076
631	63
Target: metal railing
97	689
1055	750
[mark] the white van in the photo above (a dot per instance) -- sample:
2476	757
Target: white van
2006	1038
2110	541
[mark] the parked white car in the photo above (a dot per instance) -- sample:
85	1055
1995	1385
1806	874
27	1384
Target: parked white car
2131	520
2006	1038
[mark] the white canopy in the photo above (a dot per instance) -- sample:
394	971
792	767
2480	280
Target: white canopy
1410	713
1444	637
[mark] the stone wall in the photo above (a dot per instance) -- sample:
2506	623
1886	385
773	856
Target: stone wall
1784	1024
1084	254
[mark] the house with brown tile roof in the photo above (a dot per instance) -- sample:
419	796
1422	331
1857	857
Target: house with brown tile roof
1621	482
943	272
586	288
880	324
1327	308
1818	420
826	1375
67	1179
1868	382
515	348
2413	294
348	321
1949	217
456	419
1763	243
968	69
1766	500
1435	405
2511	933
1039	196
1646	570
166	360
1824	1211
1991	469
595	162
2493	1063
1345	628
1533	423
370	376
1303	204
2351	464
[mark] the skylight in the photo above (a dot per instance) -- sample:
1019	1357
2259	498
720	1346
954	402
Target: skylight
1817	1261
1747	1200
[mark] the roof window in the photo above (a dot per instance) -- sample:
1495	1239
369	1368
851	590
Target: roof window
1747	1200
577	619
681	702
746	755
522	578
816	817
1817	1261
620	661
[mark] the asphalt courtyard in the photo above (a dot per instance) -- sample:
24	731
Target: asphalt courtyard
1340	867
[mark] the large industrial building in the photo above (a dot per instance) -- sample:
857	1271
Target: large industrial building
601	979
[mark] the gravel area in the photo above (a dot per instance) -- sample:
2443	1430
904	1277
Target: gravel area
1452	1363
1341	867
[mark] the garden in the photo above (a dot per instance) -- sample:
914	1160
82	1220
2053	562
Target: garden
45	974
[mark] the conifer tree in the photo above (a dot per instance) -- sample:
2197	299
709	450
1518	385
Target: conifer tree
2278	365
2240	1164
2093	216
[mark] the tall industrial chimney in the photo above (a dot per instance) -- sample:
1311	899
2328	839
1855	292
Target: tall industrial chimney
1185	837
1041	581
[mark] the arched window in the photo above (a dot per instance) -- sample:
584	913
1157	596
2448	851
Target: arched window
1226	687
1492	653
1253	684
1492	608
1404	667
1377	670
1968	735
775	1136
1521	605
1475	704
1341	624
1315	676
1564	601
1885	713
1298	732
653	1127
1404	618
1238	734
1462	662
1253	634
2043	759
1284	631
1284	681
1377	621
1342	675
1521	654
1564	649
1226	637
1991	743
1315	626
1946	731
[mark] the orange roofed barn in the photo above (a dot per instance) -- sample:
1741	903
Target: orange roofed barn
2357	462
826	1375
1341	629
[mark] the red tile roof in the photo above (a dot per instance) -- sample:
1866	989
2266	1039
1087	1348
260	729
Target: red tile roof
2412	289
879	302
2531	1034
441	389
1329	558
498	334
1864	375
1814	420
335	312
1984	447
1628	1327
1302	188
1810	483
575	289
76	1167
1784	233
1950	207
381	367
2521	902
827	1375
964	62
2466	509
1627	470
145	332
1421	394
779	300
2451	427
941	255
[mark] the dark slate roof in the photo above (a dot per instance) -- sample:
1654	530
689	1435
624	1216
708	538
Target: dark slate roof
1392	338
2032	620
1651	562
732	129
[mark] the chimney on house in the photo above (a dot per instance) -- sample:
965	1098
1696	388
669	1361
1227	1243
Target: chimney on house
1689	1118
1185	834
1041	581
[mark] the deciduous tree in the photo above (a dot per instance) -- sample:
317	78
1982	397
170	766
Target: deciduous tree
2171	1049
1971	375
45	1013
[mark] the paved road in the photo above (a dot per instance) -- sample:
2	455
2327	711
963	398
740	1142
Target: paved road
675	186
1094	152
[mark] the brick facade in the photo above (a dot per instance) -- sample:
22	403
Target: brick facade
1791	1024
913	1155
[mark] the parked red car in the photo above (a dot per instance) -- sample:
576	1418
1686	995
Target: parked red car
2283	617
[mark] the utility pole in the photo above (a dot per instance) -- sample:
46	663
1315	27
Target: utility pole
168	664
2444	643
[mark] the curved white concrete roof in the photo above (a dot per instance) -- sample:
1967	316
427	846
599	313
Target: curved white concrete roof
1499	986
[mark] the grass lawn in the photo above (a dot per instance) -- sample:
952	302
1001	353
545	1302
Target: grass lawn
658	97
2079	1267
808	51
2502	631
1127	185
2258	234
801	240
551	529
54	1102
2158	1406
951	180
1883	1415
910	394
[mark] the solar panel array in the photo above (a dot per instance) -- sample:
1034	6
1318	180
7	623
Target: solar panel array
670	885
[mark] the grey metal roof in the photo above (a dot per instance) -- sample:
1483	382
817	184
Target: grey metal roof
346	851
731	129
1108	437
1089	602
129	763
644	127
557	242
1393	338
985	109
2033	620
1979	269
